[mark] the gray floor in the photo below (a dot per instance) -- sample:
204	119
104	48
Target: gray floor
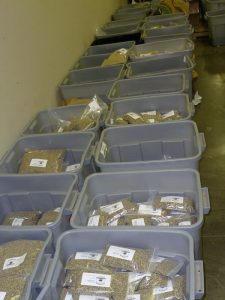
210	117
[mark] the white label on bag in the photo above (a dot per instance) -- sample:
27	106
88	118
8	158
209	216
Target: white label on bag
17	222
151	121
161	290
103	149
14	262
145	209
111	121
122	253
133	115
185	223
136	277
150	113
2	295
94	105
57	209
113	223
39	163
164	224
72	168
134	297
138	222
68	296
123	51
93	279
172	199
168	115
60	130
93	221
49	223
112	208
88	297
88	255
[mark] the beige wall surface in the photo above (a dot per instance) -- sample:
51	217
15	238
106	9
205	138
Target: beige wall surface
40	41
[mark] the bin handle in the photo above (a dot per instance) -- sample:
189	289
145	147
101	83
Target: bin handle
42	278
192	109
199	279
206	201
71	203
202	141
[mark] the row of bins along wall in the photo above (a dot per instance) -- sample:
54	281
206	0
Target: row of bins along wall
135	161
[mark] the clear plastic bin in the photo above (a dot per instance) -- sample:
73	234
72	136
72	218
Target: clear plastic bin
78	146
216	22
99	189
164	146
168	241
164	48
39	193
108	48
161	84
45	121
159	103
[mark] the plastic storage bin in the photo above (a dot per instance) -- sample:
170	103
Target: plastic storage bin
35	282
90	61
160	103
90	75
114	24
169	33
168	241
129	15
170	65
47	121
108	48
87	90
215	5
99	189
39	193
167	17
216	22
127	88
165	48
174	145
175	22
129	29
78	148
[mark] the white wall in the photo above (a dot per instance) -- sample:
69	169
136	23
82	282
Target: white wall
40	40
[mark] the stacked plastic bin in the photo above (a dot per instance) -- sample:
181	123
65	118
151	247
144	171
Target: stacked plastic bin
135	161
216	21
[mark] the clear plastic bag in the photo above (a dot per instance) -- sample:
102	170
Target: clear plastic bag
18	258
22	218
13	287
102	283
84	260
94	112
166	266
174	203
129	259
176	292
49	217
172	115
98	218
134	220
42	161
151	281
119	56
118	209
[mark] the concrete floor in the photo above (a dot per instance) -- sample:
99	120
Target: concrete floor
210	117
